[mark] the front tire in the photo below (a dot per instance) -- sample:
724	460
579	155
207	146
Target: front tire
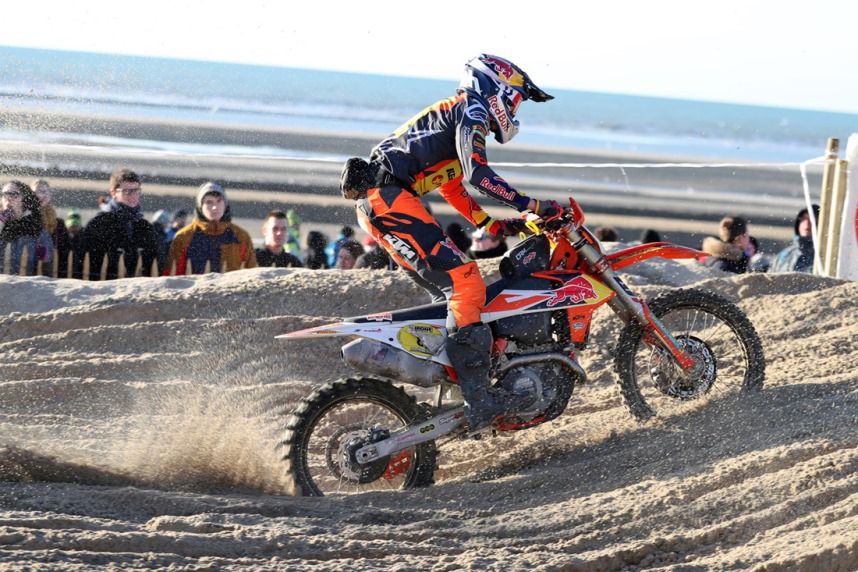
713	330
338	418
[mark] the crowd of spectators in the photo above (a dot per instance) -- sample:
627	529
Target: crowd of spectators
120	242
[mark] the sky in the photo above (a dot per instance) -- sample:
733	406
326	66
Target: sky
764	52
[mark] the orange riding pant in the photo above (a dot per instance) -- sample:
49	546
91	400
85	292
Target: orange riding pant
402	225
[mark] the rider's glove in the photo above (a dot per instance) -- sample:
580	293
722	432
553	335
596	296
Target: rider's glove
548	210
505	227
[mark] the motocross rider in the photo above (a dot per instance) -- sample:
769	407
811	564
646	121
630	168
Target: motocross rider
438	149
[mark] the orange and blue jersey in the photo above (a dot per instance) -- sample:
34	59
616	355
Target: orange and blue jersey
442	146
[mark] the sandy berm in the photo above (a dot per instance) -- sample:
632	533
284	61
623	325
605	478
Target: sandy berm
140	421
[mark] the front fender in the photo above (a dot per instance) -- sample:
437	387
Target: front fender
633	255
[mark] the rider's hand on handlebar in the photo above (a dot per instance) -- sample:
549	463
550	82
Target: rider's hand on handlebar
548	210
505	227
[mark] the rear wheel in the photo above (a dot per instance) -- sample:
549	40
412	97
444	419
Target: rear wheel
330	425
726	349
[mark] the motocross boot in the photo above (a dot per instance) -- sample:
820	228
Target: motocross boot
469	351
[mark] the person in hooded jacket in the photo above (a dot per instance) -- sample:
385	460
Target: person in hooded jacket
120	231
212	240
21	230
731	251
798	256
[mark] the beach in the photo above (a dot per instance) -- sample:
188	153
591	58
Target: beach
682	202
141	420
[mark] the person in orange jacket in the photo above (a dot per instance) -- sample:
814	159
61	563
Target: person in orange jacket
211	240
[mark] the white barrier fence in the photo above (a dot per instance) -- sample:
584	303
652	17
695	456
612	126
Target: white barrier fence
847	260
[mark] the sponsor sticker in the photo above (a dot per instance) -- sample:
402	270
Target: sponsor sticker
422	340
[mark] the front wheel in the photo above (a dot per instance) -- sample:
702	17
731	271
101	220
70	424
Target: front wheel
724	344
329	426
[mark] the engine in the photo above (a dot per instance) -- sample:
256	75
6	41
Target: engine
550	377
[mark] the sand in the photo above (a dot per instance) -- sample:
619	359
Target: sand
140	421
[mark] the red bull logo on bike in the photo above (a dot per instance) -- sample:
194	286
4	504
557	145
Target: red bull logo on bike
578	289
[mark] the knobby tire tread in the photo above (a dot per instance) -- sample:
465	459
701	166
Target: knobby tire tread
302	421
715	304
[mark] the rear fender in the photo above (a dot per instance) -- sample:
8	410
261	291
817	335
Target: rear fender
423	339
633	255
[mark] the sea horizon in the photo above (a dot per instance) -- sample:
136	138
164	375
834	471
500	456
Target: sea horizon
339	102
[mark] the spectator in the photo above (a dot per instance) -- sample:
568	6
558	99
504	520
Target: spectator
74	226
121	232
55	227
275	230
374	257
486	245
177	223
347	254
733	249
293	239
798	256
649	235
458	235
160	222
346	233
606	234
211	242
21	231
758	262
315	257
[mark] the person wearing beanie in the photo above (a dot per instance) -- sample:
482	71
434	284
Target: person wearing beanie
74	226
73	222
212	242
120	231
732	250
293	238
799	255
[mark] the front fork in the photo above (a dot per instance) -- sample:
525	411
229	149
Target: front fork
626	304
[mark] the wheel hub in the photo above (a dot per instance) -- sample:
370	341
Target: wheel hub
676	382
348	465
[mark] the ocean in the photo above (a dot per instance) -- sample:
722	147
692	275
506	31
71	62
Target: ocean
144	87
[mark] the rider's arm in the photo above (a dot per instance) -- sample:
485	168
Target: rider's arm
471	147
460	199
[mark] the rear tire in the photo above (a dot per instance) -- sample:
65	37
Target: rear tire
716	332
327	423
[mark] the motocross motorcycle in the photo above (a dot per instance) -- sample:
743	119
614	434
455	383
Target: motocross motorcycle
367	433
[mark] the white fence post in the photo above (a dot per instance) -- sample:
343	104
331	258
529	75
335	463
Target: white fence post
847	262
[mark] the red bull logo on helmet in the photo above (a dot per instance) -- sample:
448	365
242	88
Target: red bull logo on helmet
505	70
576	290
